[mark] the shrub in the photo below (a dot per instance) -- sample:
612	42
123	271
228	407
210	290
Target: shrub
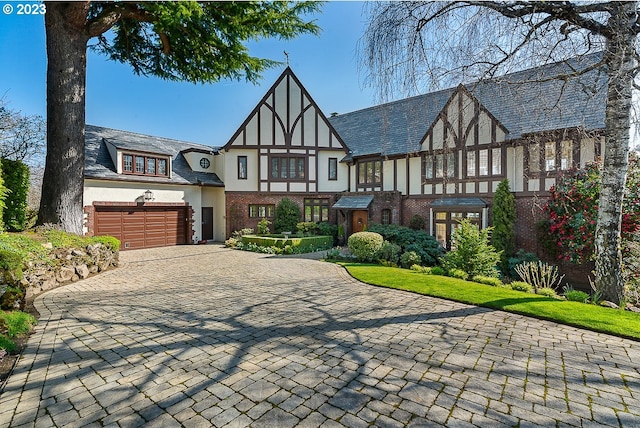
472	253
332	254
521	286
488	280
575	295
410	258
539	274
278	245
263	227
16	179
307	228
545	291
238	234
458	273
418	241
437	270
287	216
504	217
389	252
365	245
328	229
520	257
417	222
231	243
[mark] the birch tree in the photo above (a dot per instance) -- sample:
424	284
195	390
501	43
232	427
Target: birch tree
410	44
187	41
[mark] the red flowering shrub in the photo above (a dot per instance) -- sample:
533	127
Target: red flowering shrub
572	210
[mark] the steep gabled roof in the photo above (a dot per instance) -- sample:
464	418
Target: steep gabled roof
99	164
516	100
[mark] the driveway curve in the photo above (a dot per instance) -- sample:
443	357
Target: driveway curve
205	336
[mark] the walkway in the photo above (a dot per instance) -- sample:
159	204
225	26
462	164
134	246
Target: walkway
201	336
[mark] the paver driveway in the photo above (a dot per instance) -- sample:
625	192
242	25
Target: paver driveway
205	336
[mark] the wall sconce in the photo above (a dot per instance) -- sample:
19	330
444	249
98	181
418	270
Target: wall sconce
148	196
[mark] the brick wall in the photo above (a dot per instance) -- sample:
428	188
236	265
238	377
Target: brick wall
237	207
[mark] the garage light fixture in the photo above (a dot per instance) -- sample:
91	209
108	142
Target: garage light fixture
148	196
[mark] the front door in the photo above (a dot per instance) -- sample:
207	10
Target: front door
359	221
207	223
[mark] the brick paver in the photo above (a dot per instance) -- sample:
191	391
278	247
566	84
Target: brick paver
204	336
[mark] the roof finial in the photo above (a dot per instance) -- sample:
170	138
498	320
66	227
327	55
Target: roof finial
287	56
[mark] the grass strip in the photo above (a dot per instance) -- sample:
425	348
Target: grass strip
605	320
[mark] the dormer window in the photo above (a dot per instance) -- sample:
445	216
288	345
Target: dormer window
144	165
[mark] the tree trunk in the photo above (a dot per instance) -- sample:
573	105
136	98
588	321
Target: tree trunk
619	57
62	186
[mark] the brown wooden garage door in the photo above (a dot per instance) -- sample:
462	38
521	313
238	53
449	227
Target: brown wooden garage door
142	227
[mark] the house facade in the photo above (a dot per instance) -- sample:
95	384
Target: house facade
439	156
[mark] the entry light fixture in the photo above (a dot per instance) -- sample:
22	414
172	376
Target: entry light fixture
148	196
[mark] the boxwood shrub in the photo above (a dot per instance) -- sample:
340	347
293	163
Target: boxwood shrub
365	245
305	244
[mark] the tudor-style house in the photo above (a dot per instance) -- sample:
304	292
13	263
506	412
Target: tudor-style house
439	155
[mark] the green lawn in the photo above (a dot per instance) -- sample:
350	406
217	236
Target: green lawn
597	318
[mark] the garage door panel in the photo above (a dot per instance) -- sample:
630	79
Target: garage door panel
142	227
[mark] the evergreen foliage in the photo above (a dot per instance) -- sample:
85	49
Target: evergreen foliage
365	245
504	218
15	175
472	252
419	241
287	216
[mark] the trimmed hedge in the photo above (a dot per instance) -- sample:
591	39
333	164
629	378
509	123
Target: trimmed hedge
16	178
305	244
365	245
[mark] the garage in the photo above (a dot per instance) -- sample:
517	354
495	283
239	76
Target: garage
143	227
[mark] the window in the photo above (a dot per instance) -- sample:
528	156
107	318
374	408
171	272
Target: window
439	166
496	161
534	158
386	216
550	156
566	154
261	211
428	167
204	163
471	164
451	164
446	222
316	210
242	167
162	167
333	168
483	160
370	172
144	165
151	166
288	168
127	163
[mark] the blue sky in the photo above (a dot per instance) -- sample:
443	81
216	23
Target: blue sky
206	114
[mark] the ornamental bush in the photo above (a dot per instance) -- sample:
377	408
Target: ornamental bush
472	252
389	252
365	245
287	216
504	218
418	241
572	210
409	259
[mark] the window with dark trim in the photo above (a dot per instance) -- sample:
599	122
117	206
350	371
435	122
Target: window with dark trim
370	173
242	167
333	168
261	211
484	162
386	216
316	209
550	156
288	168
144	165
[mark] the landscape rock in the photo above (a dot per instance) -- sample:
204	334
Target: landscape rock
608	304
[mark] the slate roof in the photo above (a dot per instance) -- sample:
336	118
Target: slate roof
99	165
353	202
521	105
